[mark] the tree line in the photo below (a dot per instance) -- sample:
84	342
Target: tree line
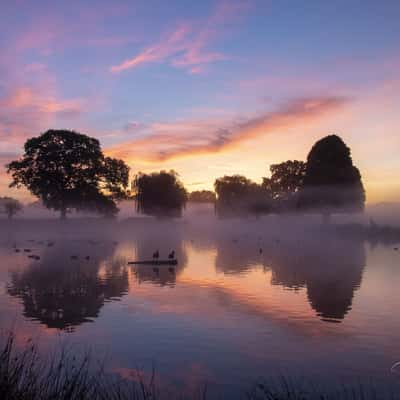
68	171
327	182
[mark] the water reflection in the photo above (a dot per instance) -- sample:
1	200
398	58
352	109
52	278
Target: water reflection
236	255
69	285
164	240
226	304
63	292
329	268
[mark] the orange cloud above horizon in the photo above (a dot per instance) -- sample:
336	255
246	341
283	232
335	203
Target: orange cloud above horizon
188	138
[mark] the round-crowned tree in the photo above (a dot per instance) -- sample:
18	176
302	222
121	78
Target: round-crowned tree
67	170
160	194
331	182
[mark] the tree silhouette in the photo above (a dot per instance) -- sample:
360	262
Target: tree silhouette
239	195
285	182
68	170
332	182
202	196
160	194
11	206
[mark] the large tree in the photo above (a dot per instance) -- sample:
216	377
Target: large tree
159	194
332	183
67	170
237	194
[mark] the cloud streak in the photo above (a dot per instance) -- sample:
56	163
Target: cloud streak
186	46
174	43
188	138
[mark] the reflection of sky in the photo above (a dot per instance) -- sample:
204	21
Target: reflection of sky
216	88
219	326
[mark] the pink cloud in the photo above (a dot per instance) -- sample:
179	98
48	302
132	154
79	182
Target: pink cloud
187	138
25	111
50	30
186	46
158	52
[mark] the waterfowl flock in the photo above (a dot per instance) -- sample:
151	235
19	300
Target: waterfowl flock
48	243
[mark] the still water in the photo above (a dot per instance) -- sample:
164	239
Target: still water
247	300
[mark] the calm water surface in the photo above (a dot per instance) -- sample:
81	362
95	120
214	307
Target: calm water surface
311	305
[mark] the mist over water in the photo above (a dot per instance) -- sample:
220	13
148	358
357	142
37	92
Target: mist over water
249	297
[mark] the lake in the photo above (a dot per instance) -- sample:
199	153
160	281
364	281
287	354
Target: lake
248	299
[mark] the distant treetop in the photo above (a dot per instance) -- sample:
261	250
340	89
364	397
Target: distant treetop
202	196
237	195
286	178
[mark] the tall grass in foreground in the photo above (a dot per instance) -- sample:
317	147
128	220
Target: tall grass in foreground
24	375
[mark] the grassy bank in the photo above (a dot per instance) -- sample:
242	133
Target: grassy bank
25	375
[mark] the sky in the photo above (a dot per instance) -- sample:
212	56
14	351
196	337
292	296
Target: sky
207	88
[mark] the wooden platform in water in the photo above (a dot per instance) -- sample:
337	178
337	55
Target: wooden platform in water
154	262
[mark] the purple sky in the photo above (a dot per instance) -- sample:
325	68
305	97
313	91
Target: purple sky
207	88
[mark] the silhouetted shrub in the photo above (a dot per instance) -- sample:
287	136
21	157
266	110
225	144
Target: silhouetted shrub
160	194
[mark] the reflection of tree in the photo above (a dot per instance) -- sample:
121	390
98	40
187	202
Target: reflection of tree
331	269
62	293
236	255
328	267
163	238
